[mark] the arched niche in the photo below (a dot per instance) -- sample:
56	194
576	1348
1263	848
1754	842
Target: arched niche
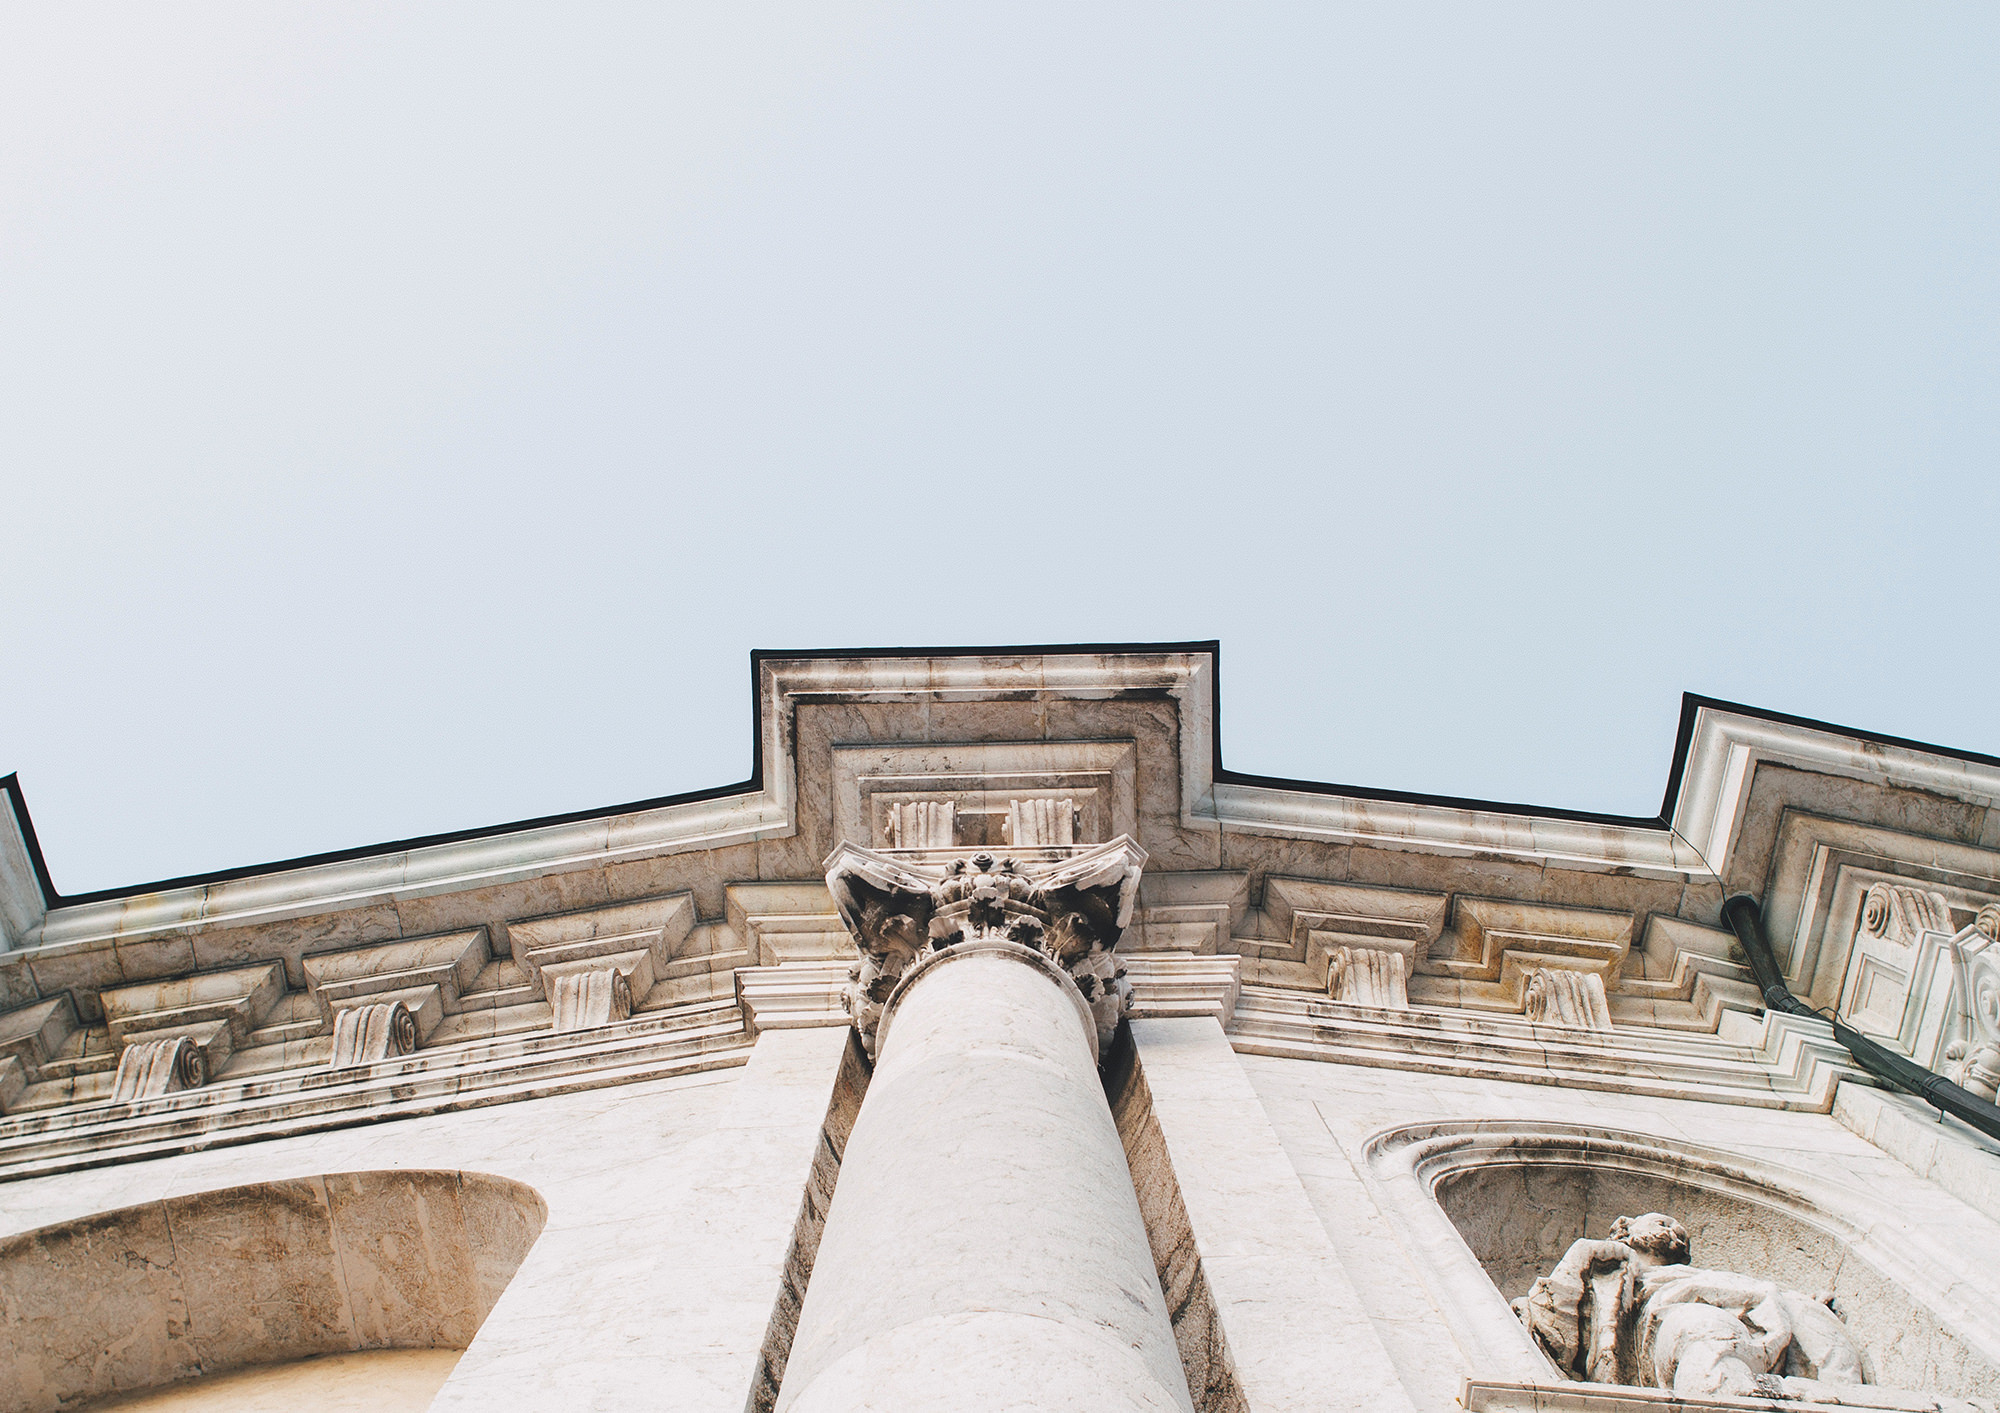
261	1274
1516	1196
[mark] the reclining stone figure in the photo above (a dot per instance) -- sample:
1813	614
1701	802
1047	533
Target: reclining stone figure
1633	1310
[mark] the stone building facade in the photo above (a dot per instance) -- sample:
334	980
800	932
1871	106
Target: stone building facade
993	1047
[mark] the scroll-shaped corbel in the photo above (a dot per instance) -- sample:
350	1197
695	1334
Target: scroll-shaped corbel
888	908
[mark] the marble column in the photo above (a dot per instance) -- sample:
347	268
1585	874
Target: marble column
984	1248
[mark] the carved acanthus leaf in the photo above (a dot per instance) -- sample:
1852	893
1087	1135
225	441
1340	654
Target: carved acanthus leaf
1073	911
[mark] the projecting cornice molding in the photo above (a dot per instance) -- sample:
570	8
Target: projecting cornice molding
1721	747
1726	744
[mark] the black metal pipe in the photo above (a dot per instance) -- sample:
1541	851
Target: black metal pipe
1746	918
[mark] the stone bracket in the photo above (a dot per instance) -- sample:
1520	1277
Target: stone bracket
1166	984
156	1065
34	1033
1369	976
597	991
439	968
423	1004
1566	997
13	1079
240	998
794	995
213	1039
638	941
374	1030
783	923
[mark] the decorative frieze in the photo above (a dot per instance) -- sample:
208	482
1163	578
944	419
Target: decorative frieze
366	1033
152	1067
1072	910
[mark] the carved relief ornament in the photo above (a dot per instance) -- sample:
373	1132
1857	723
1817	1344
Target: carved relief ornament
1072	910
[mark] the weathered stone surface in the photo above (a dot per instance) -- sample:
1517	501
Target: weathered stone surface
984	1249
366	1033
1633	1308
149	1068
1426	998
1071	904
1558	996
199	1282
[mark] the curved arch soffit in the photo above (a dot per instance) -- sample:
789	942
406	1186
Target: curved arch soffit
152	1295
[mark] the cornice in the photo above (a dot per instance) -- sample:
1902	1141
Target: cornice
1721	745
1726	743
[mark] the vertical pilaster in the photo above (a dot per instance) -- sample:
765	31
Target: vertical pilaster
1294	1335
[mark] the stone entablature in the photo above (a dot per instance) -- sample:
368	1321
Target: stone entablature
1413	922
1344	1051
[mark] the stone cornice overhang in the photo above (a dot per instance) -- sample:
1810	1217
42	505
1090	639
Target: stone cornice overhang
691	1041
1719	746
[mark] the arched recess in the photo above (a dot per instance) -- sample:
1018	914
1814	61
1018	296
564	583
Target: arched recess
272	1271
1505	1200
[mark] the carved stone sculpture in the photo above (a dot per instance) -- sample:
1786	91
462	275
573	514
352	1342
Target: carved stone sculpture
149	1068
1900	914
586	998
1634	1310
1976	957
921	824
1072	910
380	1031
1554	996
1367	976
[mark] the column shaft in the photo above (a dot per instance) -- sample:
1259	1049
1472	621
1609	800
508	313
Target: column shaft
984	1249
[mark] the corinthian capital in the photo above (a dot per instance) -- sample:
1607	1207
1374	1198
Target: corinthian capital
1073	909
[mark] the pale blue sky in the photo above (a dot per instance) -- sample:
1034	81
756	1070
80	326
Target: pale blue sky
411	416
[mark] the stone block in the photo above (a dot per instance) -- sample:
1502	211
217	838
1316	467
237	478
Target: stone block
446	965
34	1033
637	941
240	998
